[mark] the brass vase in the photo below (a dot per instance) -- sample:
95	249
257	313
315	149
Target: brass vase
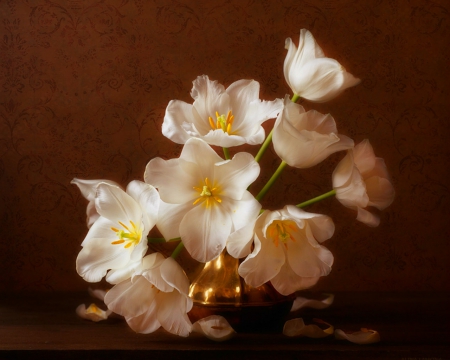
219	290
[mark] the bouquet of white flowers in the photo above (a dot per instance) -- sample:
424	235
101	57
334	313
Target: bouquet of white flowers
203	200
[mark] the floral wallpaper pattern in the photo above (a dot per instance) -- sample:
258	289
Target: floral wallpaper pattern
84	85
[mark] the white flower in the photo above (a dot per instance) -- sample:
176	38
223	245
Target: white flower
157	295
286	249
204	198
310	74
362	180
222	117
88	188
304	139
117	240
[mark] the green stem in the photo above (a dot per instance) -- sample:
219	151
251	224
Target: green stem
226	152
295	97
264	146
177	250
317	199
271	181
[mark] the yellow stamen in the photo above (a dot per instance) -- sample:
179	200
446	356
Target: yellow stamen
123	225
211	122
117	242
114	229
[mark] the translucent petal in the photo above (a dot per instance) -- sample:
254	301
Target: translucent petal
236	175
131	297
88	188
148	197
165	175
98	256
204	231
302	302
172	313
115	204
147	322
263	263
287	281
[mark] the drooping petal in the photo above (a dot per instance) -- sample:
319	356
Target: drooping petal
367	218
131	297
297	141
214	327
243	211
204	231
380	191
147	322
174	275
172	313
287	282
264	263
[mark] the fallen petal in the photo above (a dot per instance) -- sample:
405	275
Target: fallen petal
93	313
297	327
365	336
214	327
301	302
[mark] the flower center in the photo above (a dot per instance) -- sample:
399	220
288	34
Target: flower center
127	235
208	195
222	122
281	231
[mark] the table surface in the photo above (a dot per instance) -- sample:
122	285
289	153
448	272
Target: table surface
412	326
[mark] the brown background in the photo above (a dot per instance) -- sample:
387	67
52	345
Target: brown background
84	85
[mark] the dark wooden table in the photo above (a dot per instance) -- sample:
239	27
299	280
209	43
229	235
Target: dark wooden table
413	326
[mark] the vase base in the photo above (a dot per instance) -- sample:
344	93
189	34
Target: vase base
247	318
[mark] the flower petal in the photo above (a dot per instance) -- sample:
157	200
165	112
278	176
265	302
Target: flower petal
131	297
214	327
177	113
88	188
147	322
287	282
264	263
301	302
204	231
237	174
172	313
297	327
93	312
115	204
365	336
148	197
165	175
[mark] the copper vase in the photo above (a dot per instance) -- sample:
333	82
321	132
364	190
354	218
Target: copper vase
219	290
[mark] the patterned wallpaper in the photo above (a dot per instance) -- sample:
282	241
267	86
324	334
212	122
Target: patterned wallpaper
84	85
